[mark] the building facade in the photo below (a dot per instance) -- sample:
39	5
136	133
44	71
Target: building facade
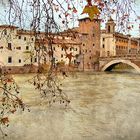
117	44
20	48
89	35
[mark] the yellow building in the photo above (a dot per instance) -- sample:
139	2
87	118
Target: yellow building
117	44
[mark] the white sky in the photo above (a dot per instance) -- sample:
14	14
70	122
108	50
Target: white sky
134	32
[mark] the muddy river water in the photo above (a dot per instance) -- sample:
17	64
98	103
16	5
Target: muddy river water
104	106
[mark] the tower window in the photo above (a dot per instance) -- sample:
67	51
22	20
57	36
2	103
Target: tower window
9	46
103	46
5	32
24	38
109	29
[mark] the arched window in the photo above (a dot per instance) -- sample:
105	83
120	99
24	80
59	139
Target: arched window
109	29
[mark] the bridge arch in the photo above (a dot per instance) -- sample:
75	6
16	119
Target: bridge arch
112	63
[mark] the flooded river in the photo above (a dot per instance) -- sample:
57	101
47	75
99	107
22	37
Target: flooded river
104	106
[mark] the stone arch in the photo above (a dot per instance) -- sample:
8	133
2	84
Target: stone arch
112	63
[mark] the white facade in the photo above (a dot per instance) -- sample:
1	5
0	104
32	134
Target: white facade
107	47
108	41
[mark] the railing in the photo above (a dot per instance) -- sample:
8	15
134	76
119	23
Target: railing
128	56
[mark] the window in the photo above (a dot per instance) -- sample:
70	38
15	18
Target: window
19	60
32	39
103	46
9	46
62	49
45	60
93	44
54	48
24	38
83	44
75	49
90	57
108	53
27	47
61	55
85	50
45	48
108	29
93	35
9	59
18	48
35	60
103	39
5	32
19	37
70	49
31	60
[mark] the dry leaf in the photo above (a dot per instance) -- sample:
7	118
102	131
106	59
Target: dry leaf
91	11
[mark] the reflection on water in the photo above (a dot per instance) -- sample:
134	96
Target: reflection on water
104	106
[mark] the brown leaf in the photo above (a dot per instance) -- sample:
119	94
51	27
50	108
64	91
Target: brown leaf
5	120
91	11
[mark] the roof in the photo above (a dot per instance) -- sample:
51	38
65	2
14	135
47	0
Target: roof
58	41
66	41
110	19
8	26
82	19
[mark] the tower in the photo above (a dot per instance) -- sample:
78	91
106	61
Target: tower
90	39
110	26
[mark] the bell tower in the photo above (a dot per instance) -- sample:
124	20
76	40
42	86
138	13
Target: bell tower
110	26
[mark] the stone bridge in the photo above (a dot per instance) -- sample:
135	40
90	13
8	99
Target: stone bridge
107	63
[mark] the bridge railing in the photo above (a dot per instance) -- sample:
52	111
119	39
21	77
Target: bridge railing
127	56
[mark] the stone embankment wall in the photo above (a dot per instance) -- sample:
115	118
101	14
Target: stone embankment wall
19	69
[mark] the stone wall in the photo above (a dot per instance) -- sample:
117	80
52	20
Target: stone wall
19	69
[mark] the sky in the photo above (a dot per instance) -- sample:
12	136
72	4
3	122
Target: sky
135	31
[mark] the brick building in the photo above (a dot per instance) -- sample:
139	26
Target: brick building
89	35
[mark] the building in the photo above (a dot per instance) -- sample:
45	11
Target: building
117	44
89	35
19	49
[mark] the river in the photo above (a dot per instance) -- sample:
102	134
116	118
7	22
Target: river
104	106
